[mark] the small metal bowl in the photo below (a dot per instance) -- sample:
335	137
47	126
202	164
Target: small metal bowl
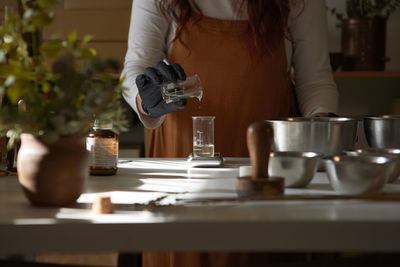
298	168
358	174
394	153
383	132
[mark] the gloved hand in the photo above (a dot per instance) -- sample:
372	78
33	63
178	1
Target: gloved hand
149	88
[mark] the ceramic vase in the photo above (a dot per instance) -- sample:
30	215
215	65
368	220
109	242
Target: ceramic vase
52	174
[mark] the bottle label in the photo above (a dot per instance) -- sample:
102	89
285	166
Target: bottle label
103	151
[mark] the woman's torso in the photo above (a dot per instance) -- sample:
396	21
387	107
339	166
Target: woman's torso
241	86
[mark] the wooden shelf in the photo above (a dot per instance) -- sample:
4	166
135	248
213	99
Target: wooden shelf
366	74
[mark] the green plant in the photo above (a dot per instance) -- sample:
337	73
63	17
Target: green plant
55	88
367	9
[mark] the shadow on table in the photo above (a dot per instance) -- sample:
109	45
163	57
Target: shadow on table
322	187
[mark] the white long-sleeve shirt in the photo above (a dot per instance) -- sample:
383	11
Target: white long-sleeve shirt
307	50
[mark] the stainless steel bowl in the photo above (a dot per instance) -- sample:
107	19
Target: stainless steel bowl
326	136
394	153
358	174
298	168
383	132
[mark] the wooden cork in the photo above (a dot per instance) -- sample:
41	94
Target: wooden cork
103	205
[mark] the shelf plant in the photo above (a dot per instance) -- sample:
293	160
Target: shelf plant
367	9
364	33
52	91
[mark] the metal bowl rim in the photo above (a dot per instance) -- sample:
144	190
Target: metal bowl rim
365	158
383	117
386	151
296	154
355	153
313	119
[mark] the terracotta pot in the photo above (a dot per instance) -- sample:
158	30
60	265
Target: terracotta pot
52	174
364	44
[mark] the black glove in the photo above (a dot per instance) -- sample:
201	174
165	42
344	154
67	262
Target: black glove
329	115
149	88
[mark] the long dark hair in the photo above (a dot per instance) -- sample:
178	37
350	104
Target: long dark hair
267	19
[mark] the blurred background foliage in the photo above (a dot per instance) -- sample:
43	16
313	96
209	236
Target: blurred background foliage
57	87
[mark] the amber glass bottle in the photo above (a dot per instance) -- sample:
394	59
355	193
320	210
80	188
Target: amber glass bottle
102	144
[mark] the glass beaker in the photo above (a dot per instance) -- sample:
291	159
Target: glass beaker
203	136
175	91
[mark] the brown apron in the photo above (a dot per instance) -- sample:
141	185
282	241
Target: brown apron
239	88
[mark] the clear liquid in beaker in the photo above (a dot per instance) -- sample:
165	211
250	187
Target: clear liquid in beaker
203	150
203	136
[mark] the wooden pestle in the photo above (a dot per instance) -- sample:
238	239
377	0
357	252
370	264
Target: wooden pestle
259	142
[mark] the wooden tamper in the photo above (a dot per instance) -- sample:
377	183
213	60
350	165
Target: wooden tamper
259	141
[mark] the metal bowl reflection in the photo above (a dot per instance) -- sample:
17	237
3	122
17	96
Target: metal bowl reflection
298	168
358	174
383	132
394	153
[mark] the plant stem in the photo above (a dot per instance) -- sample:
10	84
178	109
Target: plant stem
361	8
35	44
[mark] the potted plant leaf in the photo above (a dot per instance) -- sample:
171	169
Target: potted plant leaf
364	33
51	93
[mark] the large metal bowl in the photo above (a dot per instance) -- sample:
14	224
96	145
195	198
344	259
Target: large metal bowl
298	168
359	174
389	152
326	136
383	132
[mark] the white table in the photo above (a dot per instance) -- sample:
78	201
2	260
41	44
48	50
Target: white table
290	226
